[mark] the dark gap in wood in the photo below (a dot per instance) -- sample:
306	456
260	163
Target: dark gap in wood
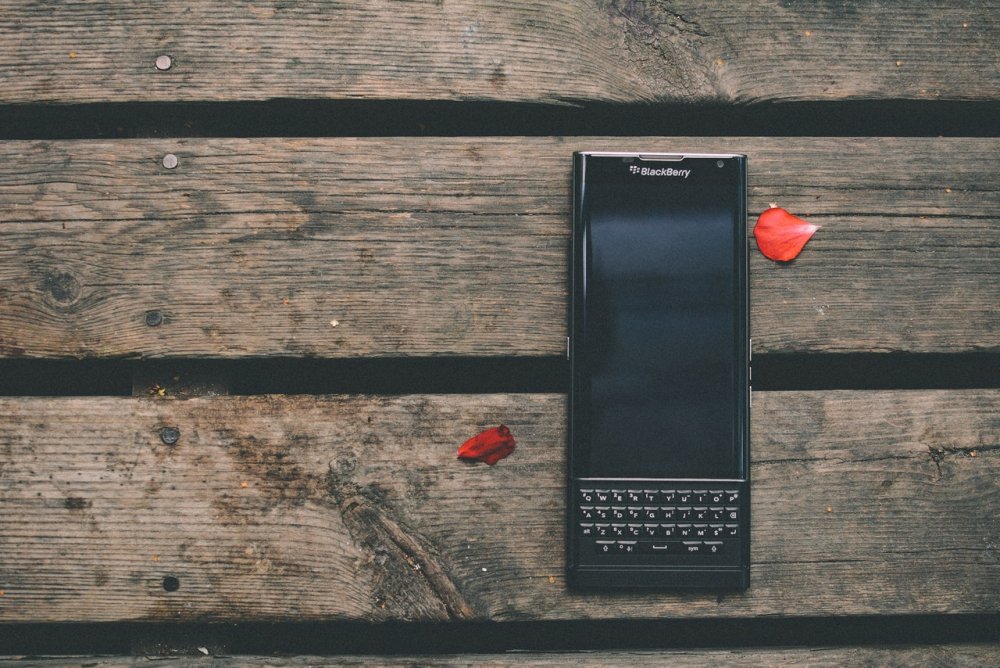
322	638
877	371
383	118
63	378
447	375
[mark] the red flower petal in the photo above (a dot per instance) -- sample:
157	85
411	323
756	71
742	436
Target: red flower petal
780	235
490	446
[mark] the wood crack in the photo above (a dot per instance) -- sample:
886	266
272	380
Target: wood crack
374	530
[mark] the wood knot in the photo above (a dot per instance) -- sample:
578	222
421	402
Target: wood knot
62	287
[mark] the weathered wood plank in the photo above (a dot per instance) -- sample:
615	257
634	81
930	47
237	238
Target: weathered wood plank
931	656
353	507
417	246
523	50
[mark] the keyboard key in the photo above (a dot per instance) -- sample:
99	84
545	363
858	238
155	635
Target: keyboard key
668	496
685	530
668	531
634	496
634	514
732	530
602	513
732	496
602	530
701	514
586	496
650	514
714	547
650	530
587	512
716	514
618	496
650	496
699	496
685	514
716	530
587	530
668	514
633	531
731	514
662	547
626	547
701	531
618	513
618	530
684	496
693	547
604	546
716	497
603	495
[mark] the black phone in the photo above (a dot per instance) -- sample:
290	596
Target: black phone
659	478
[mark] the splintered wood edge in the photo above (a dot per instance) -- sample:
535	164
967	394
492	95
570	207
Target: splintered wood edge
348	247
338	507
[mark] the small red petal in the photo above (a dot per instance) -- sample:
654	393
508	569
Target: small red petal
489	446
781	235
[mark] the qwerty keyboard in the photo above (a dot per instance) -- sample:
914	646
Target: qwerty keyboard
648	520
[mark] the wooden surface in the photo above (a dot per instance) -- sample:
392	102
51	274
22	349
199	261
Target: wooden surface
928	656
524	50
431	246
300	508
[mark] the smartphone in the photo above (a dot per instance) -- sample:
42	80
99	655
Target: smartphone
659	349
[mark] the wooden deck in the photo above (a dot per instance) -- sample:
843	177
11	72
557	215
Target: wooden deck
870	506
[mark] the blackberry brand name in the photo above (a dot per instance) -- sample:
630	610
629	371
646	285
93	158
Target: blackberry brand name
659	171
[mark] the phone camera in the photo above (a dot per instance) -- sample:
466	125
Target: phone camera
720	163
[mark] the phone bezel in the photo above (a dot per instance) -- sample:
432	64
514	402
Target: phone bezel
610	575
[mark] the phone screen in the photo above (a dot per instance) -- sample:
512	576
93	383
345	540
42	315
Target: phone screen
658	387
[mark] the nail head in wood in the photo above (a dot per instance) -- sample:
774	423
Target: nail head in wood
154	318
170	161
164	63
170	435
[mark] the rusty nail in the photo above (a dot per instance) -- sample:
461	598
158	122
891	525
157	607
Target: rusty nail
170	435
170	161
154	318
164	63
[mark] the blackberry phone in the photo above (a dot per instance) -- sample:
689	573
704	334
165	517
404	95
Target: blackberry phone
659	349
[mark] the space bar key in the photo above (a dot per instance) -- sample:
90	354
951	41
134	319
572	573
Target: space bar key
663	547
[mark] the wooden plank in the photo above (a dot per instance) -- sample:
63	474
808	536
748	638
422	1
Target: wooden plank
355	508
952	656
459	246
522	50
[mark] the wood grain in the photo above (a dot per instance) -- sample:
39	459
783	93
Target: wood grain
459	246
932	656
523	50
355	508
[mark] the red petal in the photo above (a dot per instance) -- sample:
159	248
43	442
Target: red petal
780	235
489	446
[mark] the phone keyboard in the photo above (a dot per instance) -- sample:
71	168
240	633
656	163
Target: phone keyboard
655	520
